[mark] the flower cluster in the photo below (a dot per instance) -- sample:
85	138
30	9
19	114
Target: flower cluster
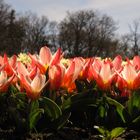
31	73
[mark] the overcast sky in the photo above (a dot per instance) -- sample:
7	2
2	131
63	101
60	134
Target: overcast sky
122	11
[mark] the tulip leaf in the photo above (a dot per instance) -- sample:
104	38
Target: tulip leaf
117	132
13	89
34	117
119	107
34	105
80	101
101	129
136	120
51	109
133	103
61	121
66	103
109	135
21	95
102	111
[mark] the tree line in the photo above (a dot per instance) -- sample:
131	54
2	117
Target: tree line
83	33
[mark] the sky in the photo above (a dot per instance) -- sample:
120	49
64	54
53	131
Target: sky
124	12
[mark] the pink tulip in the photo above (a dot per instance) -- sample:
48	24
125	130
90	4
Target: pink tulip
33	87
56	74
103	74
22	69
46	58
136	62
5	81
72	73
10	64
129	77
85	72
117	63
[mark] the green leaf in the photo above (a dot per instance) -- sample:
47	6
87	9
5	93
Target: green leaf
21	100
13	89
51	109
62	120
100	129
133	103
21	95
117	132
34	105
80	101
66	103
35	113
136	120
119	107
34	117
102	111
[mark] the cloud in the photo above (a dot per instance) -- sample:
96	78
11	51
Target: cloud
111	3
123	11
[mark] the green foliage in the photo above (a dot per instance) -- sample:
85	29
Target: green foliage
26	114
61	121
110	135
51	109
35	114
80	101
119	107
133	109
133	103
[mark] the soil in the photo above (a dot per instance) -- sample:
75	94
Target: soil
63	134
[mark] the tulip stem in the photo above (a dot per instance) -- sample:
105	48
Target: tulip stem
53	95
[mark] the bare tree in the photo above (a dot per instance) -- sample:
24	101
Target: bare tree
52	35
135	35
11	32
87	33
35	31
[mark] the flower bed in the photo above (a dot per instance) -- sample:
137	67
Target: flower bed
47	96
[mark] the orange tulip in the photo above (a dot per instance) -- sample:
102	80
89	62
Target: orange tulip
130	77
5	81
45	59
117	63
85	72
22	69
1	61
33	87
72	73
56	74
136	62
10	64
103	74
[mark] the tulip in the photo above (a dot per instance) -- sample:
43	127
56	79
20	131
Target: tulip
136	62
33	86
22	69
103	74
5	81
72	73
10	64
46	59
85	72
1	61
56	74
130	77
117	63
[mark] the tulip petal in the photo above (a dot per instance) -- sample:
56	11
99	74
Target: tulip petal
129	73
22	69
38	83
56	57
45	55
